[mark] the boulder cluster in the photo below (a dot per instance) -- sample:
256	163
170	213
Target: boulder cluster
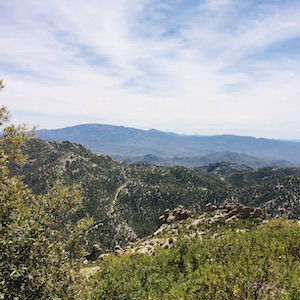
238	210
228	211
178	214
233	209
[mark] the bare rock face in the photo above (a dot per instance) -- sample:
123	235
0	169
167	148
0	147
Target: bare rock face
178	214
95	253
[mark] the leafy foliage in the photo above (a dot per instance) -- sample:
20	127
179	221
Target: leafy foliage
262	263
39	246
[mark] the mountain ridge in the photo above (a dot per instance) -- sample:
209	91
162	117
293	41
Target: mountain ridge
120	140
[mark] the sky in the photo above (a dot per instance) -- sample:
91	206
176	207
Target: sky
204	67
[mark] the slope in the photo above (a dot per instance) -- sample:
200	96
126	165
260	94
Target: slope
126	200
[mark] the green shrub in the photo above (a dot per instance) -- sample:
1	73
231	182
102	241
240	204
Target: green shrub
260	264
39	246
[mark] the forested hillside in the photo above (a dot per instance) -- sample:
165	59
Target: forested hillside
127	199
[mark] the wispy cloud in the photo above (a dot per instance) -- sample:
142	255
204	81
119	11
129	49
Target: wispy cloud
205	67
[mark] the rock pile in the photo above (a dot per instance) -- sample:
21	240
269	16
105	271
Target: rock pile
194	228
179	213
236	210
243	212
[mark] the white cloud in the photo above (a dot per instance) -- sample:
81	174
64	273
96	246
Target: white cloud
210	68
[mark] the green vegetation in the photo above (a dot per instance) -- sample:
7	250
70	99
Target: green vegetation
40	247
261	175
126	200
43	227
261	263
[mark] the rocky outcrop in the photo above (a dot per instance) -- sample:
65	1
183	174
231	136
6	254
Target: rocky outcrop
243	212
196	227
178	214
233	209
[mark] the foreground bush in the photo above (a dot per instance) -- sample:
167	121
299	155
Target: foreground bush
39	247
260	264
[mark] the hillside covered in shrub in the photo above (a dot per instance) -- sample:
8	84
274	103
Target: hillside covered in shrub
126	200
209	257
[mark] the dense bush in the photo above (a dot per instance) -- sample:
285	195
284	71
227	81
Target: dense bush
40	249
262	263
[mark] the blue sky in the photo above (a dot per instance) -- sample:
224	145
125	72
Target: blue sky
191	67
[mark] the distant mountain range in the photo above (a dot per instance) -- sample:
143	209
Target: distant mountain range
119	140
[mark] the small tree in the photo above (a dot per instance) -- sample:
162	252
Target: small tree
40	248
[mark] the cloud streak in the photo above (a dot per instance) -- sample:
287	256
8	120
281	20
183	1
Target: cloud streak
205	67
